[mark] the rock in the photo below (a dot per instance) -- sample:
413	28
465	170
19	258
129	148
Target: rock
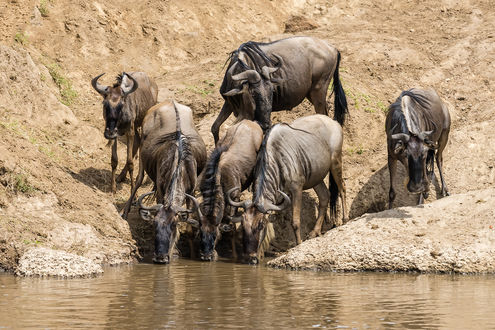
458	241
40	261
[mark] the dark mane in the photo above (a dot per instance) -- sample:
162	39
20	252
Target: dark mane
118	79
262	162
398	114
208	186
260	167
181	153
257	56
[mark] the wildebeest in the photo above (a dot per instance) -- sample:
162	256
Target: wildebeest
293	158
124	107
266	77
417	124
230	165
172	154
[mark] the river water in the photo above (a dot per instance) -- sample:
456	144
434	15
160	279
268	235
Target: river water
193	294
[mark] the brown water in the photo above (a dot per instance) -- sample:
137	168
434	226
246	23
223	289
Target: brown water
192	294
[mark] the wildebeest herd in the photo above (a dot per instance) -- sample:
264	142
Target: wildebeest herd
278	162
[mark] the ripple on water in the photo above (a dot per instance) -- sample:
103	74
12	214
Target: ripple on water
214	295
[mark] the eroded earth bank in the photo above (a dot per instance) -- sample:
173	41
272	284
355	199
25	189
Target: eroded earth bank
58	216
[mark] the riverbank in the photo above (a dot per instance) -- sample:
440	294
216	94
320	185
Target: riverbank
451	235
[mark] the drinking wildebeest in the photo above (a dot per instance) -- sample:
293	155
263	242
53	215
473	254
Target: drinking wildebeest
172	154
124	107
417	124
230	165
275	76
294	158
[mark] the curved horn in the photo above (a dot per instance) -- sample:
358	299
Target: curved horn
244	204
234	91
148	208
401	136
99	88
196	204
251	76
124	88
283	206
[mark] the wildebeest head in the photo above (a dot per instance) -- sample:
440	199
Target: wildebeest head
415	148
116	113
208	222
256	88
254	223
166	230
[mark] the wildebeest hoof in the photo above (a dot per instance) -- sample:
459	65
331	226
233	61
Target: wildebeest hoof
209	257
253	260
161	259
426	194
121	178
314	234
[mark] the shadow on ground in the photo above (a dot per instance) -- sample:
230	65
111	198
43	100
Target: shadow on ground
373	196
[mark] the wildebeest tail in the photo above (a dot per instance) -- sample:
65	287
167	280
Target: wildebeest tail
334	196
340	101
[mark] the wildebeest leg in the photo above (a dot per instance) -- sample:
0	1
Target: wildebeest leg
318	96
296	213
421	199
323	199
114	162
130	155
222	116
439	157
392	169
336	173
139	181
135	147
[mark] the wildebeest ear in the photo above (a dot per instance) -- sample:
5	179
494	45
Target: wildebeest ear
430	144
237	91
266	72
399	147
129	84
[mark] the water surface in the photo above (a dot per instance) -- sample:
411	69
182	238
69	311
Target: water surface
193	294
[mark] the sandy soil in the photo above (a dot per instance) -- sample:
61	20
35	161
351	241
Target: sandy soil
54	163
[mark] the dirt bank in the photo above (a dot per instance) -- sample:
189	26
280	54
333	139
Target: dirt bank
54	163
451	235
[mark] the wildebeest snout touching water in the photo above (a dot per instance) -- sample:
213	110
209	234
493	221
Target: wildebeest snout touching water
294	158
266	77
124	107
230	165
417	127
172	154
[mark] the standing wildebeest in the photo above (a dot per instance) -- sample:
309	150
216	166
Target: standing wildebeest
294	158
278	76
417	124
124	107
172	154
230	165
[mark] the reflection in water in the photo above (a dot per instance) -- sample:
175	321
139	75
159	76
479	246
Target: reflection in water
193	294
